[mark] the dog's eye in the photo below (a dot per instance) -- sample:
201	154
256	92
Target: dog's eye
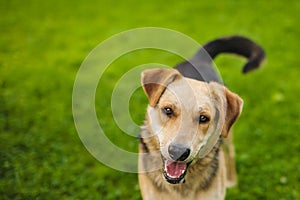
203	119
168	111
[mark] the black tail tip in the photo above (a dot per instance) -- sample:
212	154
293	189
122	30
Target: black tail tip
255	62
249	67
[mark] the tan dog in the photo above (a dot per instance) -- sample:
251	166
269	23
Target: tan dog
188	121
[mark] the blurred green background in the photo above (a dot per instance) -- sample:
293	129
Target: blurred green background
42	45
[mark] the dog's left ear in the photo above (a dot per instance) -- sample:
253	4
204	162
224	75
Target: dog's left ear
155	81
233	110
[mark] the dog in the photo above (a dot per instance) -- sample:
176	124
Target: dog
185	148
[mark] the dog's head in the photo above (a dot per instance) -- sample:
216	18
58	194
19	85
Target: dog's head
187	116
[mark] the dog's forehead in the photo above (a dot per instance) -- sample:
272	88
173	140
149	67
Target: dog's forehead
188	92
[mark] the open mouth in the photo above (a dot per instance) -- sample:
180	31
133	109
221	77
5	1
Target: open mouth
174	172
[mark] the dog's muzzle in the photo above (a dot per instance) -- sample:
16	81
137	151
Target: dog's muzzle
174	170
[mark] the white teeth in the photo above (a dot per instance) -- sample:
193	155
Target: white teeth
182	181
182	171
171	175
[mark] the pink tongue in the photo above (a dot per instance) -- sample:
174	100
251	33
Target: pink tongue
175	169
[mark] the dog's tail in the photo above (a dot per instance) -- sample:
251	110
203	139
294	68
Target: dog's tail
201	61
237	45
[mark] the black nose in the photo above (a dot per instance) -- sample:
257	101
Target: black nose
178	152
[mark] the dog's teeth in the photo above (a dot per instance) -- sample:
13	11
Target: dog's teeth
182	180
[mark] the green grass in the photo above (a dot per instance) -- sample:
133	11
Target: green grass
43	43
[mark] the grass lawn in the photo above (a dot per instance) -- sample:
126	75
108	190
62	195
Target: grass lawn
42	45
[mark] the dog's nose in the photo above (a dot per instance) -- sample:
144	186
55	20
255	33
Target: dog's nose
178	152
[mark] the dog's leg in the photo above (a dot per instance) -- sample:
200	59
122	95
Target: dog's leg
228	148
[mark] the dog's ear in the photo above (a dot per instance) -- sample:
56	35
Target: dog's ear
234	105
155	81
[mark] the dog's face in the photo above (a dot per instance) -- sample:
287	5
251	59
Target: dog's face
187	116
